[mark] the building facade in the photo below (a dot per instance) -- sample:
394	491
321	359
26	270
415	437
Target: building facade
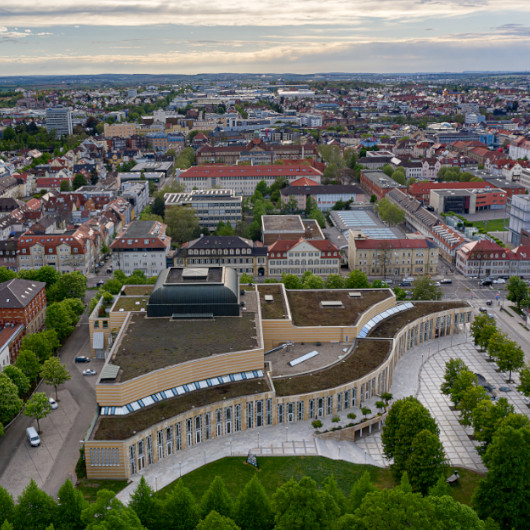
59	119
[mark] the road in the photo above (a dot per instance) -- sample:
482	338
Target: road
54	461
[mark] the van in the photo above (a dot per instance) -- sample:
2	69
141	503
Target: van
33	437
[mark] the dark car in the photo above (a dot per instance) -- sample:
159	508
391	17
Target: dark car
489	302
100	283
486	282
446	280
82	359
405	284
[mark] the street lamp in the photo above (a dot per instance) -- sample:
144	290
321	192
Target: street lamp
180	469
258	441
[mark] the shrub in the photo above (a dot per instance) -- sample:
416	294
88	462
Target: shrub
352	415
316	424
335	419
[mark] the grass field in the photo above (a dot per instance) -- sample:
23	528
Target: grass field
493	225
275	471
90	488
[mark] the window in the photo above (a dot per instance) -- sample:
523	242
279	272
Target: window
160	443
132	458
141	455
149	444
169	441
237	415
320	407
189	432
219	422
311	408
269	411
198	429
280	412
228	420
178	439
329	405
300	411
339	402
250	415
207	425
347	399
259	413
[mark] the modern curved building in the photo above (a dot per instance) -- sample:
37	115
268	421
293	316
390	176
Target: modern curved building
200	359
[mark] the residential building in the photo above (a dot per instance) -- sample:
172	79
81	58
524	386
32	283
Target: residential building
392	258
144	246
210	206
137	193
243	179
519	217
120	130
483	259
325	196
59	119
289	227
320	256
378	183
520	148
243	255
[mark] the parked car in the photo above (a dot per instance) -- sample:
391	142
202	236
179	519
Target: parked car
446	280
499	281
405	284
109	270
489	302
53	403
486	282
100	283
82	359
88	371
483	309
437	284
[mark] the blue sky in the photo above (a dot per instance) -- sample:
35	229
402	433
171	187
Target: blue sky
300	36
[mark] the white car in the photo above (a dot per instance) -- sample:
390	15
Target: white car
499	281
88	371
53	403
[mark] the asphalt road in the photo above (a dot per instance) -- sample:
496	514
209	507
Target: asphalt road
54	461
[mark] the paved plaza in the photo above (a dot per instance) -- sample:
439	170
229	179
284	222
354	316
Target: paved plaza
420	373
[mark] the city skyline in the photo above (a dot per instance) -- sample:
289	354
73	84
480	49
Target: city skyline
113	36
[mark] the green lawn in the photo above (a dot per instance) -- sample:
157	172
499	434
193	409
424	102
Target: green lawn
275	471
90	488
493	225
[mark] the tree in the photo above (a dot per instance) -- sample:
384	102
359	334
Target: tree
69	285
464	380
291	281
487	417
449	514
517	291
6	274
390	213
10	402
427	461
406	418
217	498
425	288
35	508
158	207
399	177
471	397
79	181
69	509
7	505
179	509
58	317
38	407
482	329
524	376
108	513
47	274
54	373
42	344
215	521
510	357
496	344
300	506
387	169
144	504
18	377
28	363
334	281
252	509
182	223
313	282
356	280
318	216
452	368
504	494
358	491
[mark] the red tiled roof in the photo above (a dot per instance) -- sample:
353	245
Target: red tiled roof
283	245
248	171
304	181
376	244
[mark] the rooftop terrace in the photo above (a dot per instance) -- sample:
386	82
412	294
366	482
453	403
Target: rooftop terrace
391	326
137	290
131	303
306	308
366	356
122	427
275	308
152	343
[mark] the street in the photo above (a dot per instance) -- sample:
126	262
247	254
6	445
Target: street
61	431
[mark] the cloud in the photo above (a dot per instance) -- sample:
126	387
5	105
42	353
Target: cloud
238	12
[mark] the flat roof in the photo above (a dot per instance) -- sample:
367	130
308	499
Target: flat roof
152	343
131	303
122	427
366	356
272	309
282	223
306	308
178	275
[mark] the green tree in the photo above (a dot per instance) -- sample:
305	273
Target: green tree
504	494
440	488
517	291
427	461
69	285
399	177
252	508
334	281
291	281
10	402
69	509
524	376
487	417
35	508
471	397
313	282
510	357
79	181
48	274
179	509
18	377
358	491
482	329
6	274
464	380
144	504
332	489
54	373
425	288
215	521
496	344
7	505
388	170
217	498
182	223
389	212
58	317
449	514
318	216
28	362
42	344
158	207
452	368
65	186
357	280
301	506
406	418
38	407
108	513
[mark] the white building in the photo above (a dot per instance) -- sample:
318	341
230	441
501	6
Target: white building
519	217
59	119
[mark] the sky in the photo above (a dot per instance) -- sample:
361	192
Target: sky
273	36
